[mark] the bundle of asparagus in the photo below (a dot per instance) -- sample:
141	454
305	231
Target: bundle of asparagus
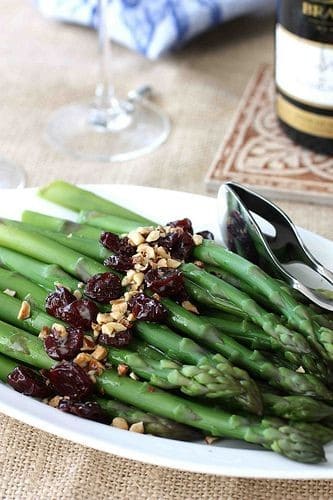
108	313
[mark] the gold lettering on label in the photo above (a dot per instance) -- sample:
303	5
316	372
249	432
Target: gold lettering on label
317	10
313	10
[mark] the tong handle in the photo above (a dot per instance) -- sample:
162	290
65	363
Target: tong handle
286	240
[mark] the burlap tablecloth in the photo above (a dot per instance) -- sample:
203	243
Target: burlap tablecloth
44	65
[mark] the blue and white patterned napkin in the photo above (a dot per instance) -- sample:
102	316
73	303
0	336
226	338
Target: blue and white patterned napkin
154	27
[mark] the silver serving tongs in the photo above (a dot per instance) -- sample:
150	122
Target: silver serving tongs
242	234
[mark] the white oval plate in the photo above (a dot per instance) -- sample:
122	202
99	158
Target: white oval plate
227	458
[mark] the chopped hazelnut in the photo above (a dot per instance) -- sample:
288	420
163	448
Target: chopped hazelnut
211	439
99	353
24	311
197	239
119	327
122	370
199	263
44	332
153	235
88	344
54	402
162	252
138	279
82	359
137	427
119	307
120	423
135	238
95	366
173	263
60	329
108	328
186	304
103	318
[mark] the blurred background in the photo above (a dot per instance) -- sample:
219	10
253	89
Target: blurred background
47	64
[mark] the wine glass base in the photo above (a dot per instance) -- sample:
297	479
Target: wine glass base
77	130
11	175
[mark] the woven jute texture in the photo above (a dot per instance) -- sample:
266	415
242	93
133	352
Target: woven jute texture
45	65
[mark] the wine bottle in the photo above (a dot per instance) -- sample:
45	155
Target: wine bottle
304	72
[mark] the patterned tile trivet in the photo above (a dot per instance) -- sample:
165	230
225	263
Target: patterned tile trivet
256	152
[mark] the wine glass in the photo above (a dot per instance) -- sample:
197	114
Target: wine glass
11	175
108	129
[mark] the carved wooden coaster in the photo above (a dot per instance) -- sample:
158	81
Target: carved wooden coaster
257	153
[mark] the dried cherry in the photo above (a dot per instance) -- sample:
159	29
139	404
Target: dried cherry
120	339
71	380
185	224
57	300
110	241
147	308
179	243
88	409
104	287
165	281
117	245
119	262
63	344
28	382
80	313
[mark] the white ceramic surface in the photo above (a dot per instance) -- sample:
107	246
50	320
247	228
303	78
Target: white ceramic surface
230	458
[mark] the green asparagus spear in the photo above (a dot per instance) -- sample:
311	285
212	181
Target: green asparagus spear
203	296
41	248
293	341
36	320
23	288
88	247
280	377
75	198
297	315
295	407
320	432
271	433
62	226
22	346
46	275
153	424
7	365
244	331
214	377
238	283
108	222
249	334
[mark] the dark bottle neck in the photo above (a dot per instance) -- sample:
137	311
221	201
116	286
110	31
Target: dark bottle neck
307	18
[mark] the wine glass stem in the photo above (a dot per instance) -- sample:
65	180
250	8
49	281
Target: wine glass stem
104	93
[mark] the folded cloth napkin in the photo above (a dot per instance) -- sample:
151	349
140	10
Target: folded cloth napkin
154	27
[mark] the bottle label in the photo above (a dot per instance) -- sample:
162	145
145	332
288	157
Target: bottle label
304	69
304	121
